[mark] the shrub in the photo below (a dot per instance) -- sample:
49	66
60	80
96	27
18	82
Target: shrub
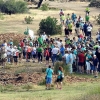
12	6
28	19
62	64
45	7
98	19
50	26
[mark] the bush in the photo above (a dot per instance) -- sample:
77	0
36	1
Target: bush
98	19
45	7
28	20
50	26
12	6
62	64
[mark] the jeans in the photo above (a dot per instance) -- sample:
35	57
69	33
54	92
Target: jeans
54	58
39	56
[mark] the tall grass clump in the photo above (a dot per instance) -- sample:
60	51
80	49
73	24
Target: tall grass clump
62	64
45	7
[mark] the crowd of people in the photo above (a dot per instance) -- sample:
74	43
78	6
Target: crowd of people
81	53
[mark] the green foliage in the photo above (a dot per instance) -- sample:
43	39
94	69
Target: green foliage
50	26
45	7
18	71
43	70
16	42
62	64
28	19
98	19
13	6
43	82
27	87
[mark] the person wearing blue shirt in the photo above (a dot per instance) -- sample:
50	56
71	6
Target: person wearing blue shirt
69	61
73	17
62	50
60	77
49	73
85	28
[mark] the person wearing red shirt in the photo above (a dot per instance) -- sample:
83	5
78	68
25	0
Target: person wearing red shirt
21	43
81	60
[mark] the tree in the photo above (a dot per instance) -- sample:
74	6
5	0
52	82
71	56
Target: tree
50	26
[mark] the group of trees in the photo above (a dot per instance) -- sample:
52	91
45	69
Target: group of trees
12	6
16	6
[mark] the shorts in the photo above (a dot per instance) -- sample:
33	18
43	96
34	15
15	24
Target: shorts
70	30
48	80
88	66
92	67
15	59
59	80
81	64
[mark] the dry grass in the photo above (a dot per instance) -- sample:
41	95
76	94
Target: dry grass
15	23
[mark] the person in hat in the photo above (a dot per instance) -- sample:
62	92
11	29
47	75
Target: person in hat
15	55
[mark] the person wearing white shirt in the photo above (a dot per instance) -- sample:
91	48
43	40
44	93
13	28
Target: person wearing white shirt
54	51
5	43
69	48
44	36
15	54
89	29
8	53
3	55
11	50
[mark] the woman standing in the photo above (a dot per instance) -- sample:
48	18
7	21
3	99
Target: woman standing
60	78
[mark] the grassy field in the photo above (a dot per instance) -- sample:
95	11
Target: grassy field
15	22
74	91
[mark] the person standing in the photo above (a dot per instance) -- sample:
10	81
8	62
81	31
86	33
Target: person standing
47	55
77	29
49	73
40	40
69	60
89	29
98	56
70	28
60	77
55	51
63	19
39	52
66	31
95	64
85	28
15	55
81	60
44	36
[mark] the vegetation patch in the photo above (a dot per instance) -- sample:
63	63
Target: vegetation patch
45	7
28	20
50	26
13	6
